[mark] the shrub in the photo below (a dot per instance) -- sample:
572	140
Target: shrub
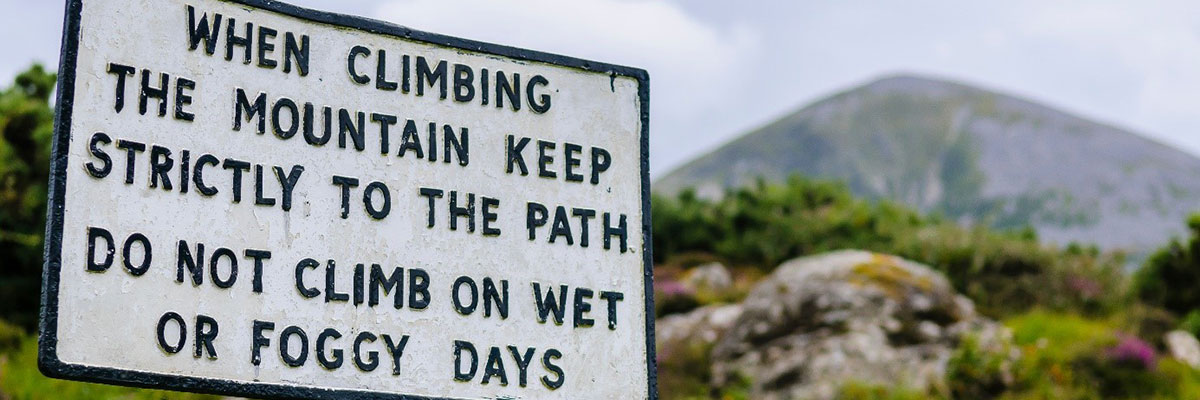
975	372
1191	323
1170	278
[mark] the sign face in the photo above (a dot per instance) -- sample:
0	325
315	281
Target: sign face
256	199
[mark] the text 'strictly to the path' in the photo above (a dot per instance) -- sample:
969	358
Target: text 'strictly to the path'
260	196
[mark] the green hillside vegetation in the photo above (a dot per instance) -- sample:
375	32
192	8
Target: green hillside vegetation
1084	329
1003	272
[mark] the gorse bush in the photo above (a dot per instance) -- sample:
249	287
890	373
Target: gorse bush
1003	272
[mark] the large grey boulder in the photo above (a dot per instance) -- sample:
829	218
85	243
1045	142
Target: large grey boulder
821	321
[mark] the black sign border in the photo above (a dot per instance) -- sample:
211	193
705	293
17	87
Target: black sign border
48	361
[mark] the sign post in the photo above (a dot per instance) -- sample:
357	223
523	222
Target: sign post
255	199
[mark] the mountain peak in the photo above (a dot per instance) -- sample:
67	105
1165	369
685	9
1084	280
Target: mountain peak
972	154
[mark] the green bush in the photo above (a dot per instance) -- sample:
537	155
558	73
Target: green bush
975	372
1191	323
1171	276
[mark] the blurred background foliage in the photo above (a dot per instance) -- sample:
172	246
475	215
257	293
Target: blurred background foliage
1085	328
25	121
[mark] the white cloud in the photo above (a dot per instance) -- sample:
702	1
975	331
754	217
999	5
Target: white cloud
693	67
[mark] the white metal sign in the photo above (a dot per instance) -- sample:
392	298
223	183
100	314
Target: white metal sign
257	199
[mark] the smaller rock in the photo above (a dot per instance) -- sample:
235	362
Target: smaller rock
712	276
1183	347
705	325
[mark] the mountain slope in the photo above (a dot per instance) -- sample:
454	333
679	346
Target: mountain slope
971	154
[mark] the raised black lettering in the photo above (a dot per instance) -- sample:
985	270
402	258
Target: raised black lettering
295	52
547	305
284	344
353	126
306	264
560	377
243	105
160	165
259	341
213	262
159	93
206	332
331	293
345	183
237	166
161	330
131	149
459	347
418	289
121	71
198	174
494	367
582	308
427	76
390	285
322	358
512	90
621	231
258	256
98	153
464	90
183	99
372	356
201	30
232	39
535	216
265	47
473	297
601	160
430	194
194	265
94	233
543	105
522	363
141	268
396	350
287	184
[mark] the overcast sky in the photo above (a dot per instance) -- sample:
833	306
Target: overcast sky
720	67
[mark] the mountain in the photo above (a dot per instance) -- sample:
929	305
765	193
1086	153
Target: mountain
974	155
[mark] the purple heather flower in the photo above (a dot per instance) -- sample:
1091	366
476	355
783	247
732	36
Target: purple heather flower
1133	350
